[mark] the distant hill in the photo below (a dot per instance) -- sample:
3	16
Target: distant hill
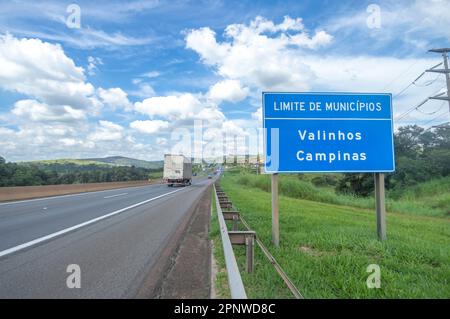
106	161
126	161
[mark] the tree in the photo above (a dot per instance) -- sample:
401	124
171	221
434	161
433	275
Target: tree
442	133
357	184
420	156
407	141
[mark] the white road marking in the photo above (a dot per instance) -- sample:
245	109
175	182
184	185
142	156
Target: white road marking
111	196
70	195
66	230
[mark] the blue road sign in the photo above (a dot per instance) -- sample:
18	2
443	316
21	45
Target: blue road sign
328	132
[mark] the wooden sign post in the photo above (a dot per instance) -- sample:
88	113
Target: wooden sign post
380	205
275	215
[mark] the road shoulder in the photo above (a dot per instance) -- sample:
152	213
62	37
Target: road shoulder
189	275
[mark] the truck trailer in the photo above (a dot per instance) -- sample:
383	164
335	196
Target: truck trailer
177	170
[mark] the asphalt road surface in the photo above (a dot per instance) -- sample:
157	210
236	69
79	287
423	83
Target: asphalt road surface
114	236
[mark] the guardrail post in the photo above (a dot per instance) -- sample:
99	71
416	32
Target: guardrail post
250	247
235	223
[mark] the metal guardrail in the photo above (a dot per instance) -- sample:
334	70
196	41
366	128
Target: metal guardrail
277	266
237	289
246	238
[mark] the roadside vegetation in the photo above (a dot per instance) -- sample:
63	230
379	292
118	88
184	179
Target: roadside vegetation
420	155
430	198
326	248
54	173
263	283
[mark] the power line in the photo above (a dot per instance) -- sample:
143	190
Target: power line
437	126
415	80
403	115
400	75
402	91
443	96
428	83
434	112
434	119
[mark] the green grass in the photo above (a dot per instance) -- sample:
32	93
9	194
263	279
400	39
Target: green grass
431	199
155	175
264	278
326	248
220	283
433	195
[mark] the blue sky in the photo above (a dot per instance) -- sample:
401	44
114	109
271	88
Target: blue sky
135	72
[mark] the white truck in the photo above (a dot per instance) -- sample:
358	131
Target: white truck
177	170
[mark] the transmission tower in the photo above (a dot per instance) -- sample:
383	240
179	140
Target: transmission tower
446	72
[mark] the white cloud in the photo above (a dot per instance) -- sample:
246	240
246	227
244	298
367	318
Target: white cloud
85	37
53	120
114	97
106	131
233	128
40	112
70	141
89	38
257	115
151	74
170	107
145	90
112	11
414	23
364	73
262	54
93	62
212	116
43	71
182	110
321	38
228	90
203	41
161	141
149	126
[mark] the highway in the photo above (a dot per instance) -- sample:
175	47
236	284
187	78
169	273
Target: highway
115	236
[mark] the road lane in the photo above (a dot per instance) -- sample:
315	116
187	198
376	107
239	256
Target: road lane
24	221
114	254
67	195
78	226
